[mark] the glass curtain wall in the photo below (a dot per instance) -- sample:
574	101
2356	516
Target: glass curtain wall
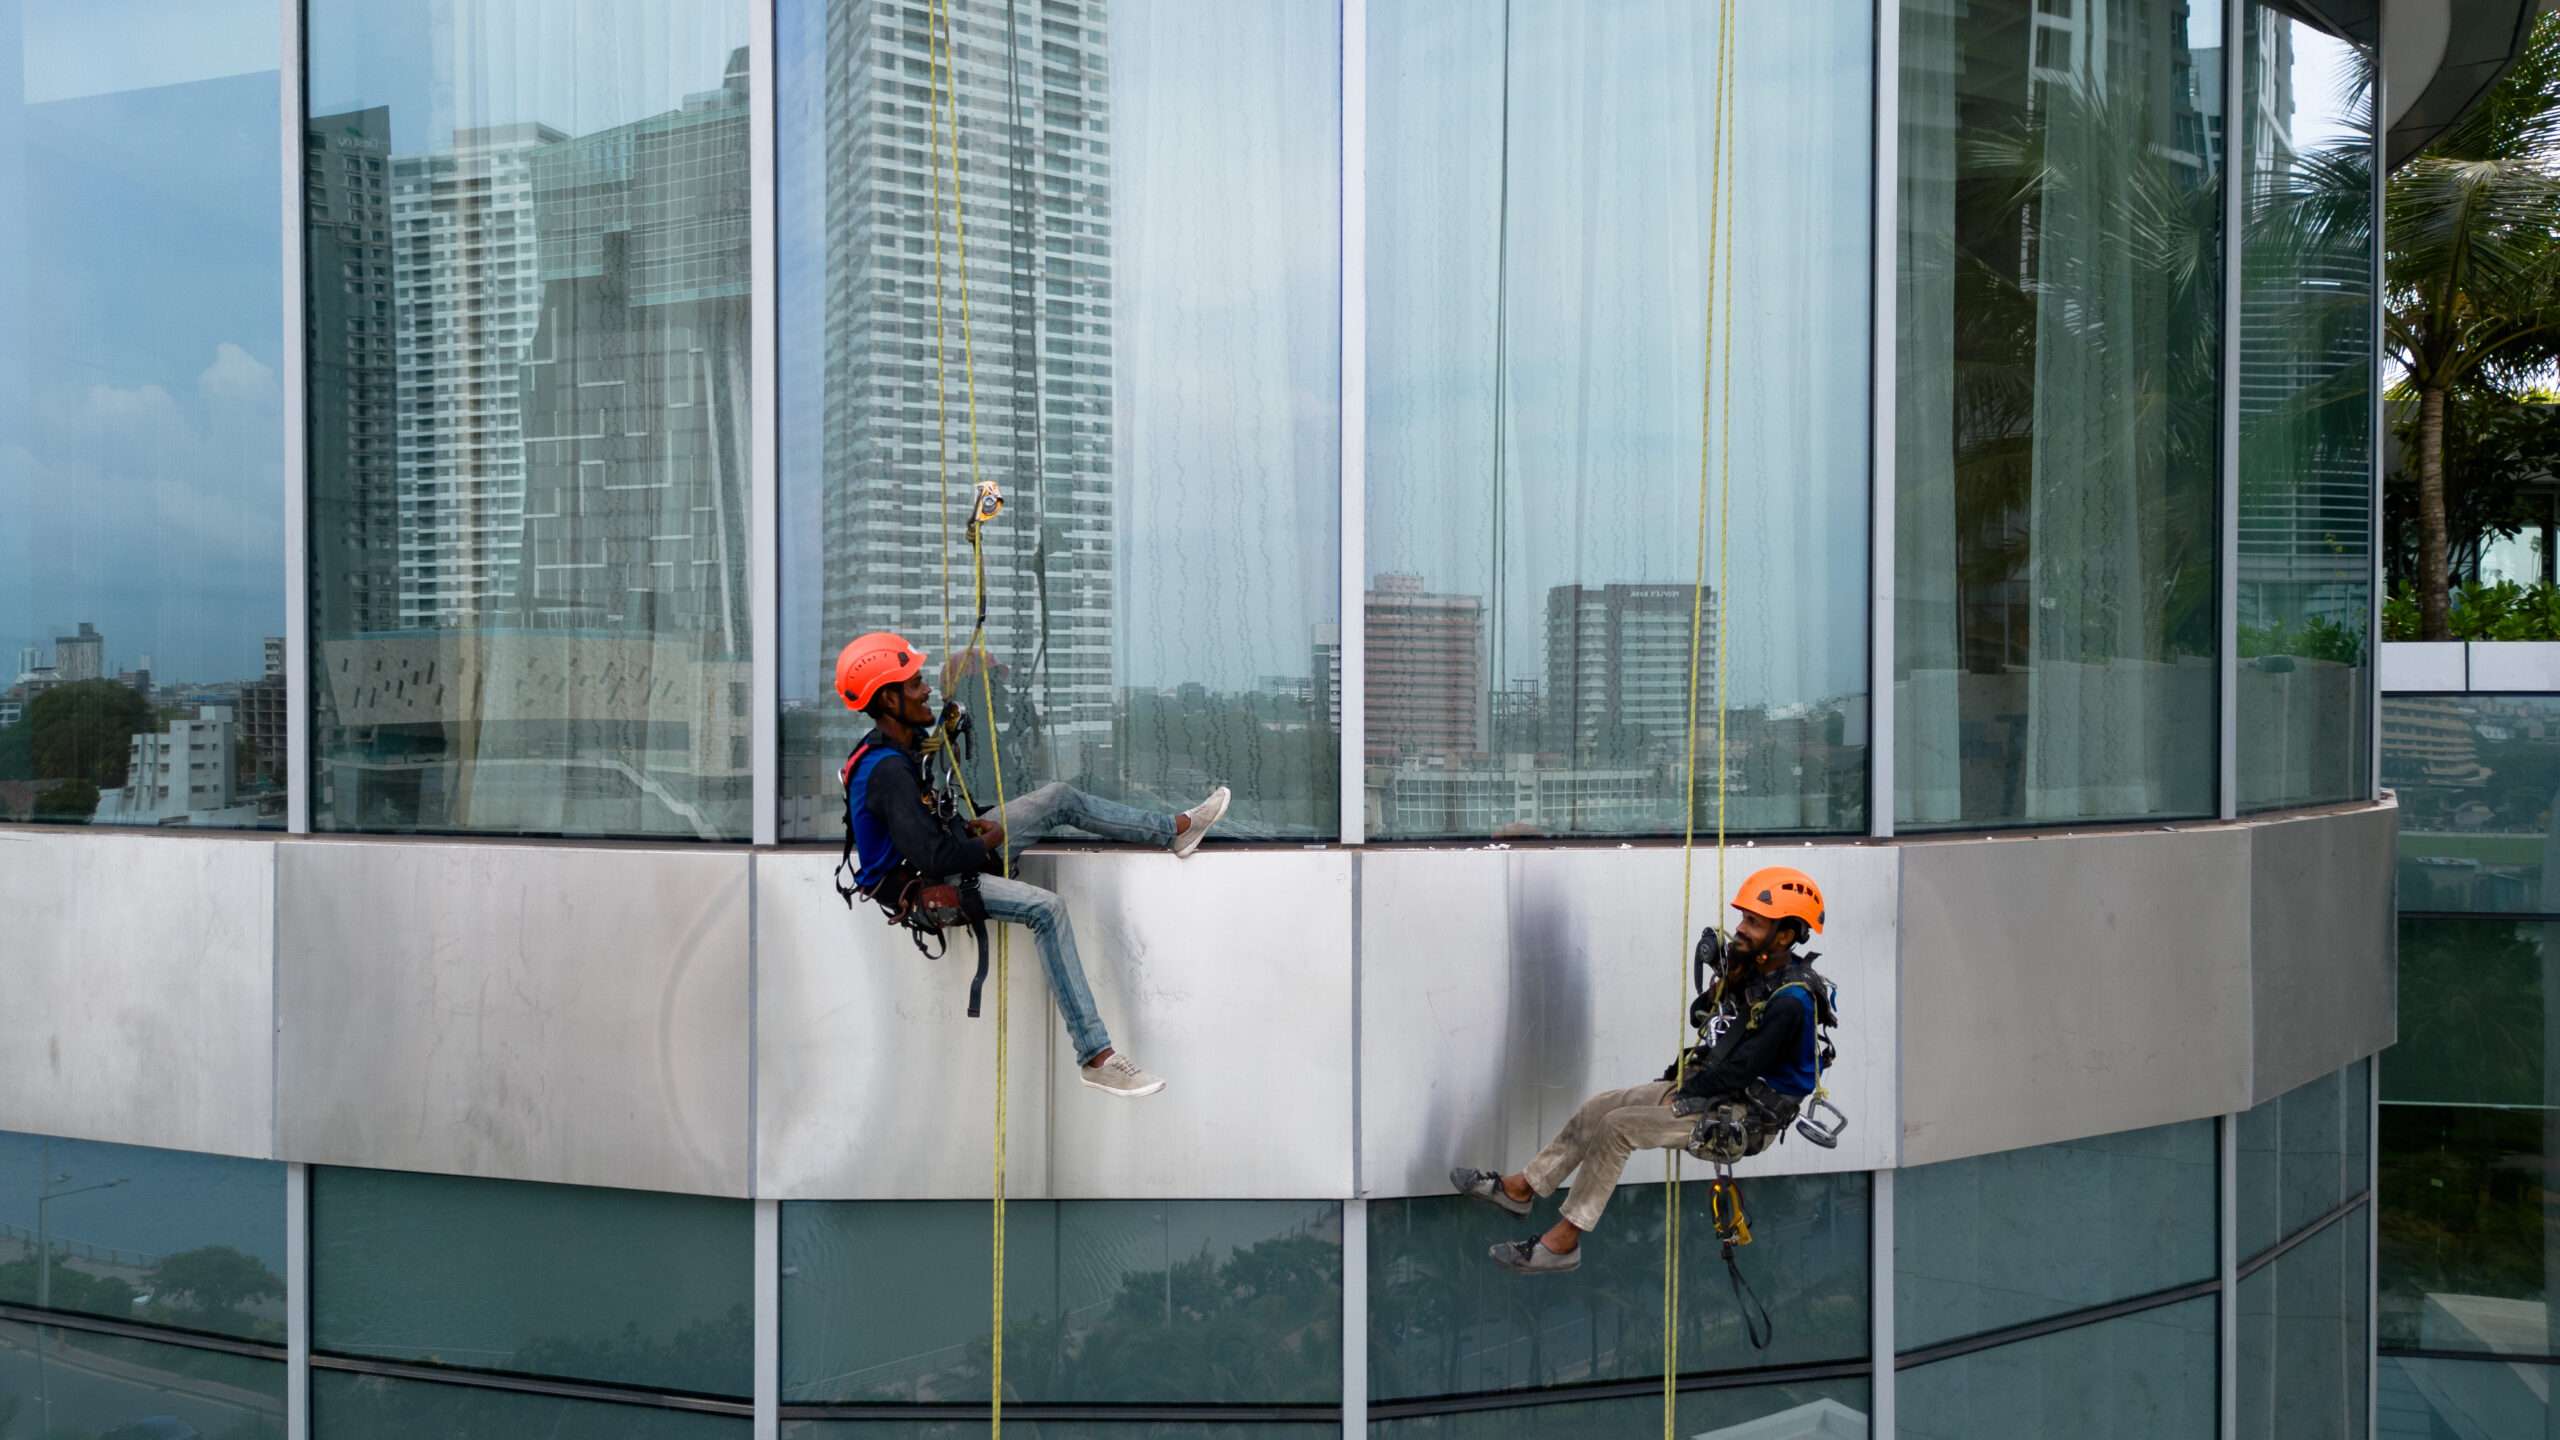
1541	177
1142	349
162	1276
2476	776
2059	411
2305	1238
528	415
141	425
2305	161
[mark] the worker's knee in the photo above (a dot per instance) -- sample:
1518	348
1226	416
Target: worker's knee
1046	913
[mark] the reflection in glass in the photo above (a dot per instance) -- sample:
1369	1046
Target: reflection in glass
2306	416
162	1237
2145	1375
624	1286
2469	1237
2476	776
65	1383
528	327
2001	1239
1828	1409
1445	1320
2465	1397
1148	363
1539	177
1053	1430
2059	413
2301	1155
2473	1013
141	448
1106	1301
376	1407
2302	1339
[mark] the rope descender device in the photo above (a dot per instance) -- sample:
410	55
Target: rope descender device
989	505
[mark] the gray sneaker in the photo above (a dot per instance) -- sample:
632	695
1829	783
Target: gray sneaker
1118	1077
1486	1185
1532	1257
1203	815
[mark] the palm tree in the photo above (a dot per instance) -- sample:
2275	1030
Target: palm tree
2472	288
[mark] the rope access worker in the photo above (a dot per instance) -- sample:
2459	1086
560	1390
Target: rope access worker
1764	1014
914	853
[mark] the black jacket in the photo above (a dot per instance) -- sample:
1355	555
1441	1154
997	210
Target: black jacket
896	798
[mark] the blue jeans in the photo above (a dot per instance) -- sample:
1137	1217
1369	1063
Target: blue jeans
1044	913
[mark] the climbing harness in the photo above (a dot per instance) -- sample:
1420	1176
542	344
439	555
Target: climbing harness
924	906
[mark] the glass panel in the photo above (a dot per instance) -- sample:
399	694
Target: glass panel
2145	1375
158	1236
141	429
1146	356
1121	1301
2301	1155
528	262
615	1285
2059	413
2474	1028
1051	1430
1444	1319
2002	1239
2469	1229
1829	1410
2302	1339
2306	416
1539	179
2457	1398
56	1384
2476	775
375	1407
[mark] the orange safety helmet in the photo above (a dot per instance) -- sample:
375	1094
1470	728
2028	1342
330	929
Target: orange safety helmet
1780	892
871	661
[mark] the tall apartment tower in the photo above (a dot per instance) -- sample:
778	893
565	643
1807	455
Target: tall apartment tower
348	337
81	656
1034	125
1619	667
467	295
1424	687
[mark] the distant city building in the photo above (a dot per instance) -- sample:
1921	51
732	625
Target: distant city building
1423	685
177	776
349	333
82	656
1619	668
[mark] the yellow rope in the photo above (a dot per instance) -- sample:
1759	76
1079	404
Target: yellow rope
946	125
1719	269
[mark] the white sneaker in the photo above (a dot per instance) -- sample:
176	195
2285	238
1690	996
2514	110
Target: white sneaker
1118	1077
1203	815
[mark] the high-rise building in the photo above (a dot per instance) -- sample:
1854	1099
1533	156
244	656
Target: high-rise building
1423	685
348	334
1034	126
1619	667
466	296
82	656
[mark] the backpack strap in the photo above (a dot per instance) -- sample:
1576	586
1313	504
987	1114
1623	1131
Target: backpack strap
844	860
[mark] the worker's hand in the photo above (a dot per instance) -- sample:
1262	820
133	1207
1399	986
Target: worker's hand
988	833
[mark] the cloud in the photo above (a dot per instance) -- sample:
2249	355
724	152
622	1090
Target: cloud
237	377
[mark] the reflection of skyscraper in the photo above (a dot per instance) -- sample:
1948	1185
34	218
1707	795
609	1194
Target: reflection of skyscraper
1619	667
82	656
635	392
1424	686
1034	118
347	351
467	295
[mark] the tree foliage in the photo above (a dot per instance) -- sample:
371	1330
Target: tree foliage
85	730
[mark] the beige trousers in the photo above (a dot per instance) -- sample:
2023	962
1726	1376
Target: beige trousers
1596	1142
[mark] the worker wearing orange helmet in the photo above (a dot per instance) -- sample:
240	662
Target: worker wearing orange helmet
914	850
1763	1015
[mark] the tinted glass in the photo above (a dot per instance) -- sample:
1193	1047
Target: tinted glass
2302	1155
2001	1239
2467	1234
1106	1301
1540	175
2472	1013
1052	1430
528	260
56	1382
2146	1376
374	1407
158	1236
1444	1319
2476	775
1828	1409
2059	412
614	1285
2302	1339
2452	1397
141	427
2306	416
1143	349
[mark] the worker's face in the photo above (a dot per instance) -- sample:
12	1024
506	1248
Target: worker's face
1758	934
912	702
